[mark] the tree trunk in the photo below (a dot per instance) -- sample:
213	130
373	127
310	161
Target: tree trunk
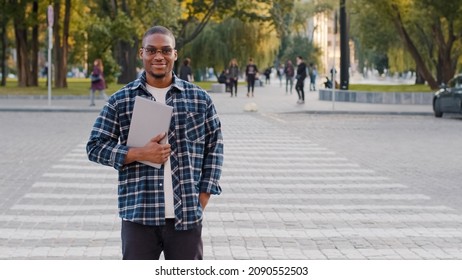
419	80
61	45
20	32
27	51
21	49
445	68
3	50
126	53
4	42
420	64
127	57
35	46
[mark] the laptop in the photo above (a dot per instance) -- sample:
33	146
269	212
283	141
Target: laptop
149	119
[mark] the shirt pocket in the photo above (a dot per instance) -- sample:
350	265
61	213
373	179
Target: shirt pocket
195	127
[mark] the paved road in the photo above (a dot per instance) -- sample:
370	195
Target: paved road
297	184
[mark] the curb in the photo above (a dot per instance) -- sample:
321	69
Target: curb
50	110
343	112
312	112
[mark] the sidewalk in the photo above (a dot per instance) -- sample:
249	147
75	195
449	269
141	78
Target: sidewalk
268	99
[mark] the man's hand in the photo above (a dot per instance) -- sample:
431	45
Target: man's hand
153	151
204	199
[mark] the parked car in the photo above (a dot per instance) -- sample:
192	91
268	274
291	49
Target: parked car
449	98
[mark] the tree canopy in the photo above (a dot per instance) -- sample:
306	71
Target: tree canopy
396	35
429	31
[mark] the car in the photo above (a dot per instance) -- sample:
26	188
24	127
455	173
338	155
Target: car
448	99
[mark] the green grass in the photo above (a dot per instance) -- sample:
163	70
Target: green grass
75	86
81	86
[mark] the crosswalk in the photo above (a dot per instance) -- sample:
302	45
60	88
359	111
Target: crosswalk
284	197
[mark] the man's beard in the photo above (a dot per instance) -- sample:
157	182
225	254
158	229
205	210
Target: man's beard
158	76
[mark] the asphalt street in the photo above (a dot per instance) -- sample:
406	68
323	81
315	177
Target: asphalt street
312	181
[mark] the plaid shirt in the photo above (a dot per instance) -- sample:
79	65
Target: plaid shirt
196	159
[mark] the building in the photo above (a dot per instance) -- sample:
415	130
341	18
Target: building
321	30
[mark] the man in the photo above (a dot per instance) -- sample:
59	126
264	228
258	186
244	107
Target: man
313	74
301	76
161	209
233	75
289	72
186	71
251	72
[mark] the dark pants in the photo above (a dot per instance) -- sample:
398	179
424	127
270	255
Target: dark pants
299	87
140	242
233	84
250	83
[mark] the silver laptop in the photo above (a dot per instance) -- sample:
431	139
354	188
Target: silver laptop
149	119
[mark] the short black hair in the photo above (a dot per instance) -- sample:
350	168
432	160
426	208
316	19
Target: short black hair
159	30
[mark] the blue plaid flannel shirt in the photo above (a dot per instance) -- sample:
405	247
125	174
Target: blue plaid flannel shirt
196	160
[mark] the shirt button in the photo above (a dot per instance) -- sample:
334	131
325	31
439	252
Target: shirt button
160	184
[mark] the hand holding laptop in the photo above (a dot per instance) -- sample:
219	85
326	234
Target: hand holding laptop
157	152
153	151
147	137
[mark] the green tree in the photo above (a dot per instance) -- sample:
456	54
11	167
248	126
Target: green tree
25	20
430	32
246	32
61	41
282	15
373	34
299	41
4	19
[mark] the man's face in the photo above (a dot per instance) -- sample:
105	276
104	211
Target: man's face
158	55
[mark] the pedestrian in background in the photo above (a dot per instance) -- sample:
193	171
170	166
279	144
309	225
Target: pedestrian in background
161	209
313	74
301	76
267	74
98	83
251	72
233	75
280	73
289	71
186	72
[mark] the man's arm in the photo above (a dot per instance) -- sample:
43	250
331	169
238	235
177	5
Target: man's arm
103	146
213	153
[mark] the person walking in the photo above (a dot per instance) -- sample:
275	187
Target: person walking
301	76
313	74
251	72
98	83
186	71
280	73
289	71
161	210
233	74
267	74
